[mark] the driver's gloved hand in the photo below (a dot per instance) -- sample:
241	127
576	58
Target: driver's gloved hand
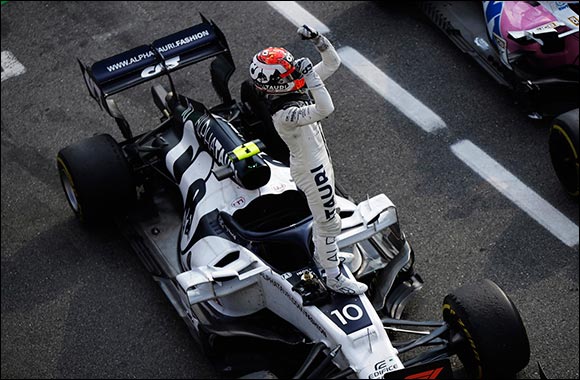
308	33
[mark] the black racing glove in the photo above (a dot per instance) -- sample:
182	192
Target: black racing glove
308	33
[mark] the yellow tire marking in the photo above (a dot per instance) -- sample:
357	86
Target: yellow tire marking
563	133
469	338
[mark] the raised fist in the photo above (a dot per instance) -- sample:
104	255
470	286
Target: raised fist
307	33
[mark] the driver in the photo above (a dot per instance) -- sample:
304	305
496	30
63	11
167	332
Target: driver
296	115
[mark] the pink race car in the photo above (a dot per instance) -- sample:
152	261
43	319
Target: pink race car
531	47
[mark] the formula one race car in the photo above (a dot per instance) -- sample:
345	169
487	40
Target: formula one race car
222	227
531	48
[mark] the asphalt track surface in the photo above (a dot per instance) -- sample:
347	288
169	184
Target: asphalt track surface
77	304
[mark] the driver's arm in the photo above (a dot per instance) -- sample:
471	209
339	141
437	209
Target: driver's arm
322	107
314	77
330	58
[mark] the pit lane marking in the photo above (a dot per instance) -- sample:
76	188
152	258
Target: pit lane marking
297	15
505	182
516	191
390	90
10	66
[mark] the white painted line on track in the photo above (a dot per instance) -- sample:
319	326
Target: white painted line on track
420	114
516	191
297	15
10	66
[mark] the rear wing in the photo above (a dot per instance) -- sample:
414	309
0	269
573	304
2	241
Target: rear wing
146	62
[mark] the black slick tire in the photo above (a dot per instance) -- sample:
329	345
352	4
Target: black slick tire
493	342
563	144
96	178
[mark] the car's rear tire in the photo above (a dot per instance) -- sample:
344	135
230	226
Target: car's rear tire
96	178
493	342
563	142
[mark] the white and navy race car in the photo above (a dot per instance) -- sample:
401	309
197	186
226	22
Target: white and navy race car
207	202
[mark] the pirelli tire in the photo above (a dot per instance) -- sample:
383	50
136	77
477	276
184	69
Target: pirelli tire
490	337
97	179
563	143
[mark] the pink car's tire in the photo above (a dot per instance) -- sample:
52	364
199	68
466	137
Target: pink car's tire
563	142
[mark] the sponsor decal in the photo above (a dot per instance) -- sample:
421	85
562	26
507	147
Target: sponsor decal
294	302
278	187
561	5
383	367
551	25
239	202
154	70
299	274
297	113
275	87
183	41
204	131
185	114
162	49
573	20
326	191
130	61
440	369
430	374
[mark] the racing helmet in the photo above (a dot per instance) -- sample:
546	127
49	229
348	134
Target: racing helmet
272	71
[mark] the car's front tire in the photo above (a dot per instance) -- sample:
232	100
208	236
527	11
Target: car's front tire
487	330
96	178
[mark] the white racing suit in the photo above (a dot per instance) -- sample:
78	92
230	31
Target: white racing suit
298	124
